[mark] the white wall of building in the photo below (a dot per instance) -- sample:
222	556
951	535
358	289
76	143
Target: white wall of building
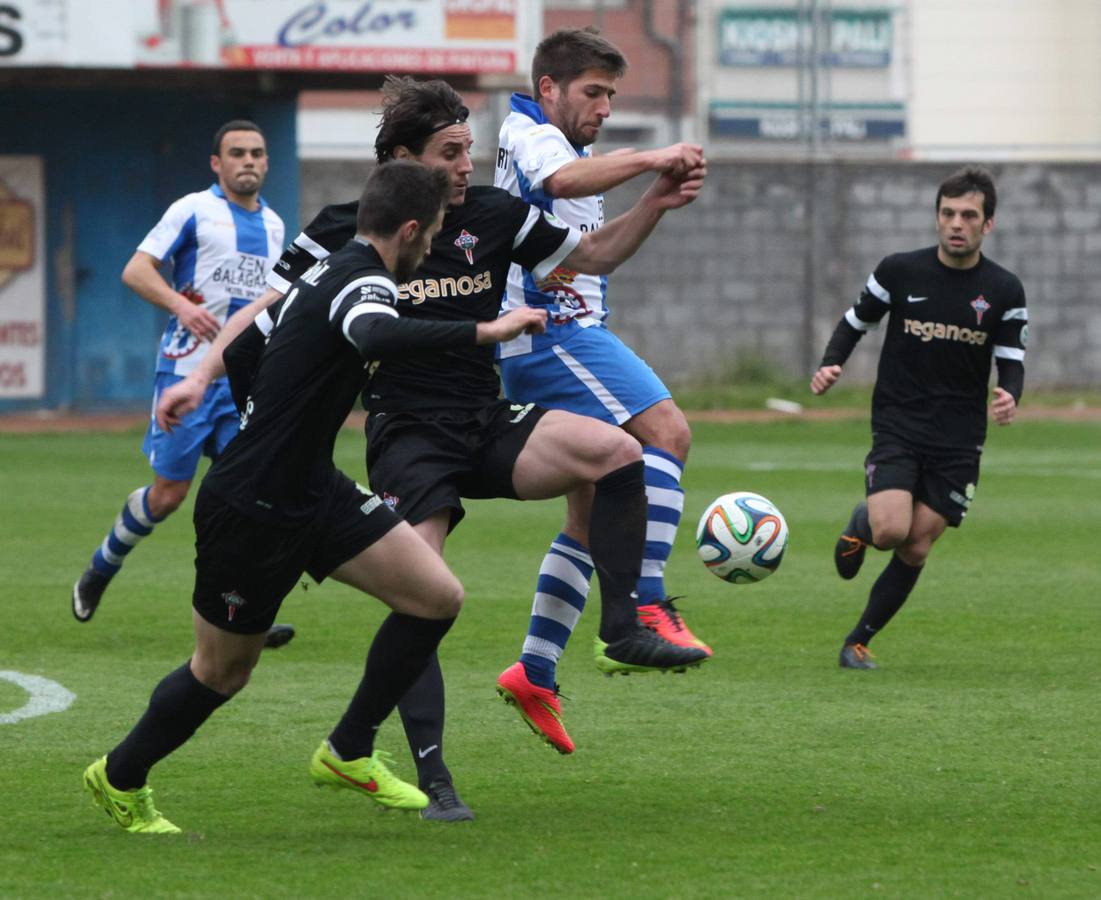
1005	78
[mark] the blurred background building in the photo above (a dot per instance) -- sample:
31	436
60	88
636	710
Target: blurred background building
828	125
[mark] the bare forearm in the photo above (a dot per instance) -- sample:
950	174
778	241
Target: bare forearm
597	174
601	252
142	276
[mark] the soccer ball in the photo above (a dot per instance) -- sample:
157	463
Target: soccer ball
742	537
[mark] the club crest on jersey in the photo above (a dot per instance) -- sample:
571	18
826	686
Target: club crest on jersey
980	306
466	242
234	602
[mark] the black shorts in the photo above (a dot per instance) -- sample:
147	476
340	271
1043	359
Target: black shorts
244	567
944	479
422	462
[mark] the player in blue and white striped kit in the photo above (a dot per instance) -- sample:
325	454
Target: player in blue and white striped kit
578	364
222	242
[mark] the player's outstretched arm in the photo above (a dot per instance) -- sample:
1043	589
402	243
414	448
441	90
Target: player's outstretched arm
142	275
824	379
186	395
600	252
597	174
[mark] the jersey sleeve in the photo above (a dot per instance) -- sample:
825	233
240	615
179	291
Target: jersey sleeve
362	295
330	230
874	301
542	241
1011	333
871	306
538	152
175	229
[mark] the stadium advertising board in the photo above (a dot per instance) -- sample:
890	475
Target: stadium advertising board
22	278
855	38
468	36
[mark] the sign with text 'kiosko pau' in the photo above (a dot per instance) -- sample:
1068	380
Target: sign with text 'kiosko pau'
851	38
470	36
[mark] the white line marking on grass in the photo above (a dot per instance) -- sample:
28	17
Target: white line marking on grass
46	697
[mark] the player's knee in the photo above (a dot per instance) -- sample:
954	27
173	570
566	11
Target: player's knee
444	601
227	678
164	500
619	449
888	535
914	554
677	436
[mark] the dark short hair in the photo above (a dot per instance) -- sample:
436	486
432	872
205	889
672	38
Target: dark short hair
968	179
233	125
398	191
413	111
568	52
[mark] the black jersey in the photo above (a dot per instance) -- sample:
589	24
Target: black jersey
306	383
945	326
462	280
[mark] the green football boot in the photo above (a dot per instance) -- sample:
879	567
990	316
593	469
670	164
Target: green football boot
132	810
368	775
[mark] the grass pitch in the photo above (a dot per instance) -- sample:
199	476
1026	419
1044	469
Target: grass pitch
967	766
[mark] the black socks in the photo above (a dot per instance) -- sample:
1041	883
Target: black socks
887	596
617	540
422	714
178	706
398	656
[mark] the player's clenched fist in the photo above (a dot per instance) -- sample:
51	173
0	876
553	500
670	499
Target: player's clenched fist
824	379
523	320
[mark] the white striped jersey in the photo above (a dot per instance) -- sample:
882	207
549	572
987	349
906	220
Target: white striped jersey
530	150
945	327
221	254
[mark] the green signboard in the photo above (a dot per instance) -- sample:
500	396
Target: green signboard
853	38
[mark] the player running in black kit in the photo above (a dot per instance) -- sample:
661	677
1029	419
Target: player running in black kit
438	431
951	310
274	506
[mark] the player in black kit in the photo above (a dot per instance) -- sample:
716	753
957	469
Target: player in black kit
951	310
438	431
274	506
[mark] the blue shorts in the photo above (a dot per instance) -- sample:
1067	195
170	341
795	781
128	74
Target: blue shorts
593	373
206	430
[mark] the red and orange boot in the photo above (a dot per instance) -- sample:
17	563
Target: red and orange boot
665	619
538	706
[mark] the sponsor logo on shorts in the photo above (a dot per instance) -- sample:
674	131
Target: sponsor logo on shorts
965	498
869	473
390	500
445	288
370	506
927	331
980	306
519	412
234	602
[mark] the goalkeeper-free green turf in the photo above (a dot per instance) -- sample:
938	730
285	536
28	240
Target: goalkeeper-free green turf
967	766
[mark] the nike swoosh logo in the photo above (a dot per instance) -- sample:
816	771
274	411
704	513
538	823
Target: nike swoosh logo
370	786
421	754
910	298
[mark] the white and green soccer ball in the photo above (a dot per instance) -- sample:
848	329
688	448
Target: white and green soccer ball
742	537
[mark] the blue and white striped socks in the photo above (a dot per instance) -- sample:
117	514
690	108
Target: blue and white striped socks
567	569
560	595
132	524
665	504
